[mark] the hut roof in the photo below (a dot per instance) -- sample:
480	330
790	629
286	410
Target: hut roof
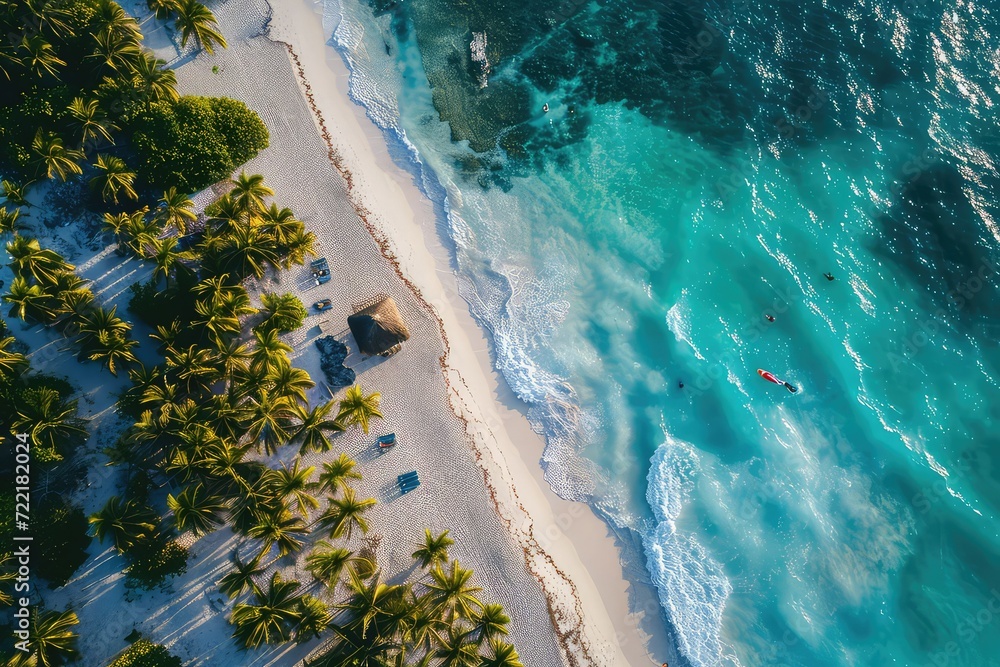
378	327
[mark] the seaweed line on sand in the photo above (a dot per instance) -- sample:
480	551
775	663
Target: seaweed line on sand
571	639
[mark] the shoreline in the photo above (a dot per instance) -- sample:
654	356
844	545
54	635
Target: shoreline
571	540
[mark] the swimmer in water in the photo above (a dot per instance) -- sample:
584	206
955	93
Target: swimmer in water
770	318
545	107
828	276
680	384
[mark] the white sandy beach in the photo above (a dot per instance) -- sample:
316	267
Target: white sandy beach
551	563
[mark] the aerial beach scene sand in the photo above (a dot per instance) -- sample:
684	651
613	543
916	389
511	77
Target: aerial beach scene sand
466	332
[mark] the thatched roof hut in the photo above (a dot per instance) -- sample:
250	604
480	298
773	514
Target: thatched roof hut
378	327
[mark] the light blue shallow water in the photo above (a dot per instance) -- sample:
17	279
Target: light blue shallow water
701	167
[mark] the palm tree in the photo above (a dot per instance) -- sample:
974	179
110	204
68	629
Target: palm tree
30	259
47	418
327	563
192	366
423	630
434	550
154	81
373	609
53	157
113	350
215	319
176	209
293	483
313	427
116	224
113	177
139	229
159	392
270	619
491	622
504	655
249	192
336	474
90	122
269	418
289	382
114	52
248	251
196	510
281	223
314	617
450	594
226	215
242	579
271	351
457	650
162	8
11	363
130	229
48	15
15	193
232	356
284	311
163	252
344	514
356	408
194	18
9	59
125	522
111	18
278	528
300	245
251	502
50	640
8	573
101	320
40	57
10	221
73	309
29	302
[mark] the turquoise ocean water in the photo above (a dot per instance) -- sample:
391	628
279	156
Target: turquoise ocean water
701	166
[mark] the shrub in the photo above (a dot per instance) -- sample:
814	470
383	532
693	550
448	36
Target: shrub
241	127
61	539
152	560
195	141
155	307
138	486
145	653
285	312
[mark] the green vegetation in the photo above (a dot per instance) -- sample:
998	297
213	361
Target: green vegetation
221	396
285	312
356	408
76	77
51	641
196	141
61	541
144	653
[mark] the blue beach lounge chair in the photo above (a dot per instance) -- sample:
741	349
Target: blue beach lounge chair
386	441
